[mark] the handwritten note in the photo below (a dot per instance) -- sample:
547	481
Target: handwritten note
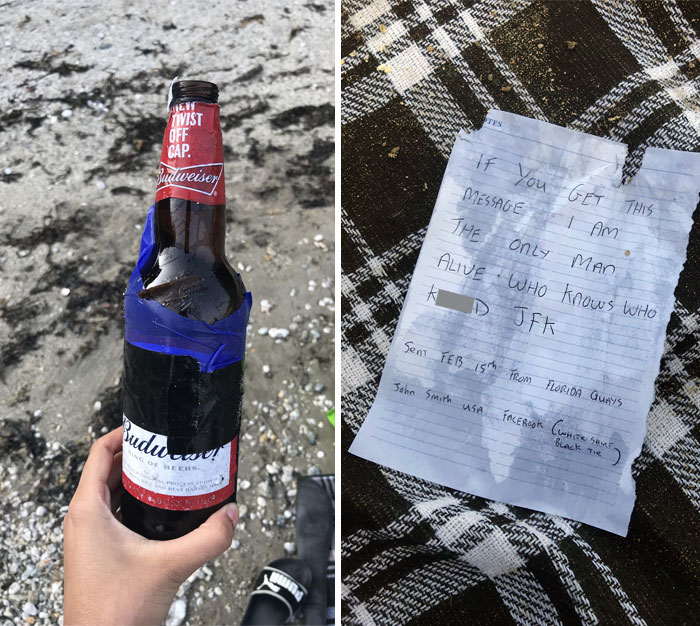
522	368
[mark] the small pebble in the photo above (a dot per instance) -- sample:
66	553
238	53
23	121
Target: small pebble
287	474
235	544
14	588
263	331
290	547
65	291
266	306
245	484
67	113
41	511
29	608
278	333
97	406
177	612
8	171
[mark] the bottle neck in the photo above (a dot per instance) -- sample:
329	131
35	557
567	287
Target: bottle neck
192	161
190	196
184	228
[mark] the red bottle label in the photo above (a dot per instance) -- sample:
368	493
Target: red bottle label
192	162
177	482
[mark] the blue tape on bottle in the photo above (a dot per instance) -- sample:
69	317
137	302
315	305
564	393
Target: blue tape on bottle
150	325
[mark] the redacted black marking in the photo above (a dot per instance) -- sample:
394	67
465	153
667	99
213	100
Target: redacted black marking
170	395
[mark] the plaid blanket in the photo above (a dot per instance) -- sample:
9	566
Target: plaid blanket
413	73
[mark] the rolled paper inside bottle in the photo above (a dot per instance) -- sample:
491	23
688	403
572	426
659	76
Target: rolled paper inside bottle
151	326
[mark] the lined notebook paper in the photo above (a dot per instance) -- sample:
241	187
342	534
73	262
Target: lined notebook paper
522	368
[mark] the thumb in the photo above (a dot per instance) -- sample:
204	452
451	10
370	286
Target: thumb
189	552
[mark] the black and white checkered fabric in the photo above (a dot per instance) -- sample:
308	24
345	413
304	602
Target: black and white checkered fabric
413	73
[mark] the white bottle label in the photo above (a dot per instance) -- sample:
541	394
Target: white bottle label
179	482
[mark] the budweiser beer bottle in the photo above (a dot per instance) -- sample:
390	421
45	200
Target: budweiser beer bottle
186	312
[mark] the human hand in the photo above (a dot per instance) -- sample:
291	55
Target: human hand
113	575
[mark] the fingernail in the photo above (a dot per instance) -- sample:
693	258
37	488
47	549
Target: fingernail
232	512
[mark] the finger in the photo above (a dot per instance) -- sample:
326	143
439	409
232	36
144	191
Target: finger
185	554
114	480
116	499
100	461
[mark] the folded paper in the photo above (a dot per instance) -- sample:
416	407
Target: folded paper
536	394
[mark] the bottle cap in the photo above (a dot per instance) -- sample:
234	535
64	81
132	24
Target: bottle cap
192	91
